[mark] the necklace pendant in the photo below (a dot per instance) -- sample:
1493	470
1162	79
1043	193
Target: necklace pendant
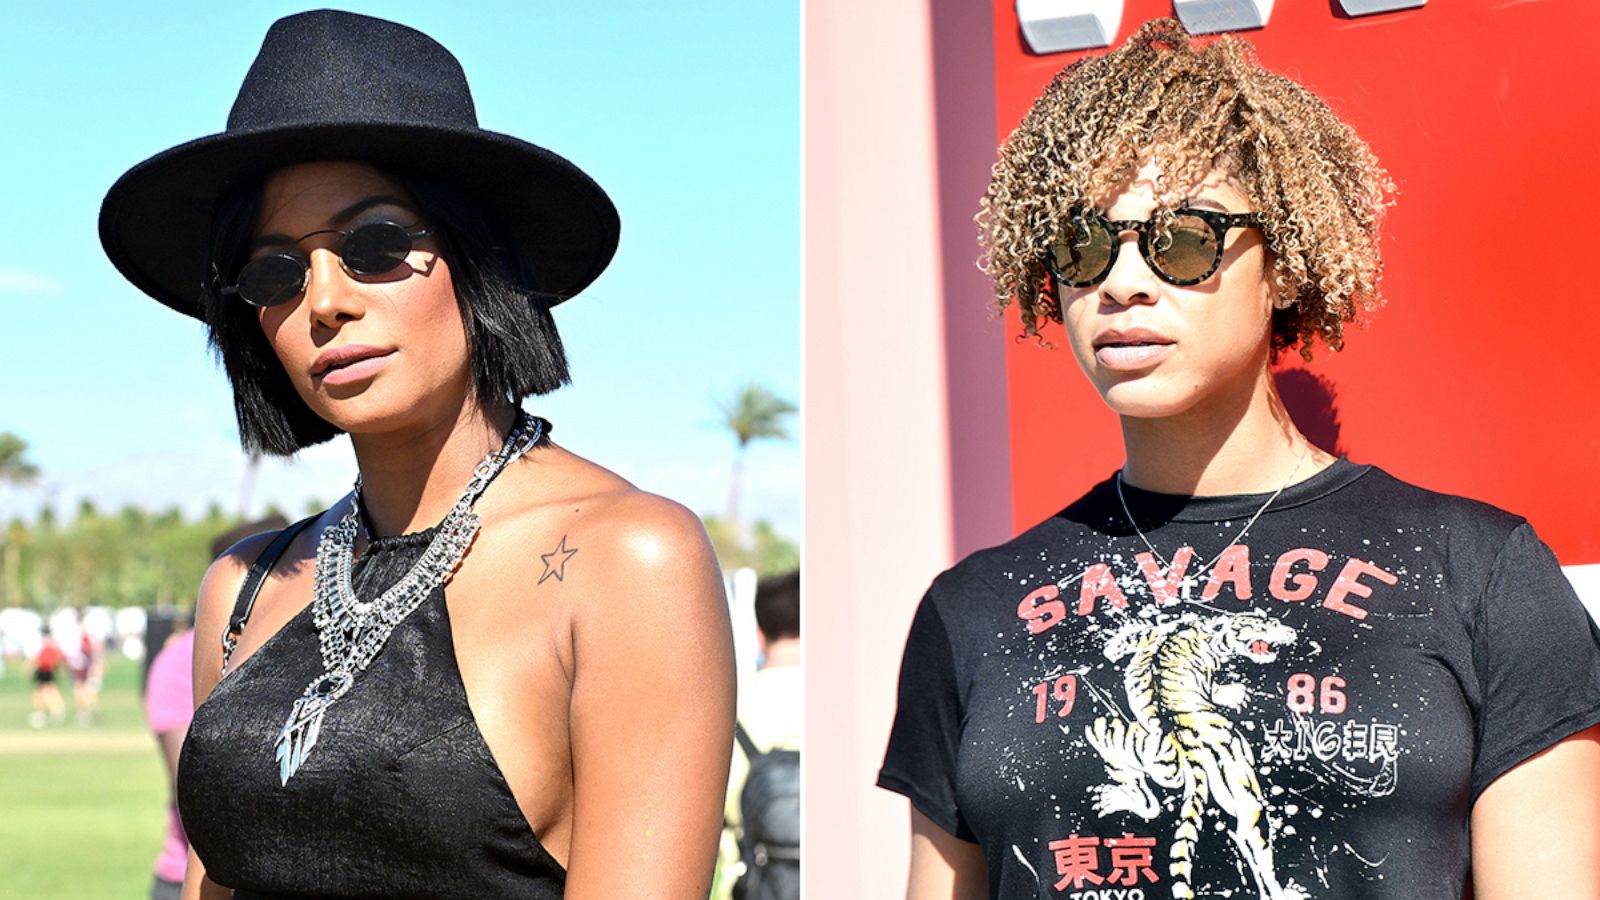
304	725
351	631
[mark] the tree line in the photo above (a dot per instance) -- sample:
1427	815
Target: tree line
132	557
136	557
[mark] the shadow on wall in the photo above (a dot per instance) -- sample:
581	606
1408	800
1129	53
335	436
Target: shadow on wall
1312	402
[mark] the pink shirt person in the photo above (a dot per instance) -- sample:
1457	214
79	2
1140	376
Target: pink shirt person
169	705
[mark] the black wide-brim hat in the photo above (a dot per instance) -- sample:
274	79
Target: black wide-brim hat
331	85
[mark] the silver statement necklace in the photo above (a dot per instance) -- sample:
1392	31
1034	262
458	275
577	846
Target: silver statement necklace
1190	578
352	631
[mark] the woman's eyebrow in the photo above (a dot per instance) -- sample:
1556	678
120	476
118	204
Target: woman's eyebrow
336	220
1204	203
361	206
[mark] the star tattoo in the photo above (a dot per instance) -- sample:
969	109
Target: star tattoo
558	568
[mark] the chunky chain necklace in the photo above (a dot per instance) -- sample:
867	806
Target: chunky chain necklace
1192	577
351	631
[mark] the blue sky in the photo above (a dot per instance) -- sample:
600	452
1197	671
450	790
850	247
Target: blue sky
687	114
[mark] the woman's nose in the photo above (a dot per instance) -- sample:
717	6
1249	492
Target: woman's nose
331	294
1130	280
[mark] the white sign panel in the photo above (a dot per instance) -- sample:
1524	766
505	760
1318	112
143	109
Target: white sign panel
1211	16
1368	7
1054	26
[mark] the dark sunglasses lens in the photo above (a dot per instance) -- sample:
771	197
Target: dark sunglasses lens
271	280
376	248
1081	256
1189	252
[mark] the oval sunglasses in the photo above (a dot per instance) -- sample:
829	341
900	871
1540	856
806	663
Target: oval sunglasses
366	250
1187	254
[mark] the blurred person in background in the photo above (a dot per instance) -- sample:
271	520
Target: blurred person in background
761	842
169	705
369	261
88	666
48	706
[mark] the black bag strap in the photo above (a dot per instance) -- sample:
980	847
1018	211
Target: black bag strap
749	746
252	584
765	853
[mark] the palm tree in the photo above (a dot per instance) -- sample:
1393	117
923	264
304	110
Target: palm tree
754	412
14	466
14	469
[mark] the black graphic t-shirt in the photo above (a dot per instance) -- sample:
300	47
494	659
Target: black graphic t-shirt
1311	716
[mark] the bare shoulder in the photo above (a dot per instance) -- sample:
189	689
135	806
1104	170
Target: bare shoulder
647	532
220	586
606	540
637	541
599	514
218	591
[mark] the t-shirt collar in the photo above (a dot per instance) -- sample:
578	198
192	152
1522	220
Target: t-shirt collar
1215	508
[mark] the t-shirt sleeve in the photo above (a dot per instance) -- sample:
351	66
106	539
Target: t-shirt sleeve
1537	656
921	759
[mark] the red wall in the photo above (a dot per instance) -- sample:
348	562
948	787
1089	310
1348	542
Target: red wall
1481	375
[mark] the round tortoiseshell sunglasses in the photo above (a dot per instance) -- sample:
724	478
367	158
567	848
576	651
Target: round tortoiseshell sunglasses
1187	253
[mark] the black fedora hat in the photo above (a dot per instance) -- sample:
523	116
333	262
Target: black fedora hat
331	85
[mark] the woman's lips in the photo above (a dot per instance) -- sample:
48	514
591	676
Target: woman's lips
364	367
1131	357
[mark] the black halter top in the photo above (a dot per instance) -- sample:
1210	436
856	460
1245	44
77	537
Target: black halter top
400	797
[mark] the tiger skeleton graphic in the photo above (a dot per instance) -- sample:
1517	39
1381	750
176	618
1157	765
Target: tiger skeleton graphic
1180	737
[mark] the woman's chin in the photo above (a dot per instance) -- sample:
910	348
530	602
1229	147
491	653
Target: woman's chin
387	411
361	415
1146	398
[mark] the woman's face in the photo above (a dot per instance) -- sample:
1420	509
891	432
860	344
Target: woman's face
366	352
1156	350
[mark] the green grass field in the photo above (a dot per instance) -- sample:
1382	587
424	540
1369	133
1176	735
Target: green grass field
82	809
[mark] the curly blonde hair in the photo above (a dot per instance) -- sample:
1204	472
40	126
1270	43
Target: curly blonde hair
1319	190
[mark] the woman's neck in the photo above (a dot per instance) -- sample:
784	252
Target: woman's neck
410	479
1243	443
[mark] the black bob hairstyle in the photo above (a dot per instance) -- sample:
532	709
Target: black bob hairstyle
511	337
